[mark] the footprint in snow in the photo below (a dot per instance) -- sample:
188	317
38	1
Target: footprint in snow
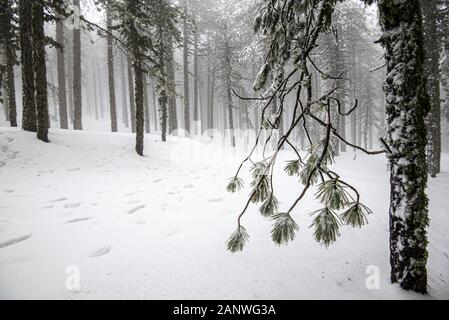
72	205
157	180
135	209
14	241
59	200
9	191
78	220
216	200
132	201
100	252
189	186
73	169
9	139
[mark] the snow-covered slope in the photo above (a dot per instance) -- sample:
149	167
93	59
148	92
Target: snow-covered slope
155	227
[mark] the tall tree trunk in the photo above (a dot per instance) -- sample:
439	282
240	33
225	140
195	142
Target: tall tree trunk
29	121
95	89
40	70
406	109
186	73
431	70
124	93
173	114
111	77
195	82
77	95
60	57
228	80
138	77
6	39
132	105
146	103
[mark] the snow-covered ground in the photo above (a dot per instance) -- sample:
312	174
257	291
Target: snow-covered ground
155	227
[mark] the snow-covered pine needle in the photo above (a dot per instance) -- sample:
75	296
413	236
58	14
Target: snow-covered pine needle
326	226
356	214
333	194
237	240
284	228
292	167
270	206
235	184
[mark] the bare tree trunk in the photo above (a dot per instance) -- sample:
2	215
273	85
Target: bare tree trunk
29	121
111	77
173	114
62	93
77	95
145	103
186	74
124	93
95	89
132	105
40	70
195	82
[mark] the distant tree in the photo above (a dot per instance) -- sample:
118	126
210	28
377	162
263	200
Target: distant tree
8	43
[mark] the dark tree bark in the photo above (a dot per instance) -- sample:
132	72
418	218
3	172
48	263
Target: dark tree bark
146	103
77	95
124	93
138	77
111	77
406	108
195	81
132	102
228	84
186	73
173	114
40	70
431	69
62	93
29	121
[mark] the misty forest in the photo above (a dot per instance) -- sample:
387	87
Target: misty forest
218	149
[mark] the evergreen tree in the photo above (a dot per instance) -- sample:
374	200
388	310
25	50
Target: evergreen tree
111	77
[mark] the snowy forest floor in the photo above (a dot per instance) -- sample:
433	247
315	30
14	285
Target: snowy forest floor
155	227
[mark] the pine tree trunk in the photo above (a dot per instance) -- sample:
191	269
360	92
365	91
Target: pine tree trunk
125	118
406	109
195	82
60	57
138	77
40	70
132	105
173	114
186	74
29	117
111	77
9	84
95	90
77	95
432	55
146	104
227	61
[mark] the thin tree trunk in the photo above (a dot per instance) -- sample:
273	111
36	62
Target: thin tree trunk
173	114
124	93
62	93
186	74
146	103
40	70
29	121
132	104
111	77
77	95
195	82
